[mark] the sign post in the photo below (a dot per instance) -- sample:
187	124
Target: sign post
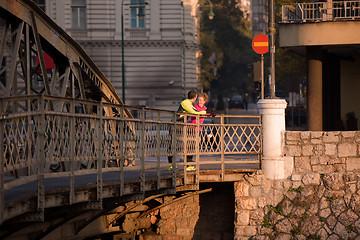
260	44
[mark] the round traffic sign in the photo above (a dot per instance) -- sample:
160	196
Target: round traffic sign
260	44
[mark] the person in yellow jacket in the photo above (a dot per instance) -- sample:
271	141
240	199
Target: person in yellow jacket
186	106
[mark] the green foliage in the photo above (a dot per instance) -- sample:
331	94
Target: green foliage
298	189
304	216
278	209
322	219
314	237
270	208
267	221
295	231
349	228
229	36
290	215
330	199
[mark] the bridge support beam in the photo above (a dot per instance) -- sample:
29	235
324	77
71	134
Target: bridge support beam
274	166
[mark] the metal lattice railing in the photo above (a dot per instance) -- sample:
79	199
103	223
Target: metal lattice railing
73	136
321	11
39	141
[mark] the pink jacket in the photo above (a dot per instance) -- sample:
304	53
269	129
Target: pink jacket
193	119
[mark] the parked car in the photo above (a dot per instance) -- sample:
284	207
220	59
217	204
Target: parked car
236	101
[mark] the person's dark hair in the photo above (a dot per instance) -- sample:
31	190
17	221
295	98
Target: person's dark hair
192	94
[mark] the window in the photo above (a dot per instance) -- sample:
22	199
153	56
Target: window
137	8
41	4
78	14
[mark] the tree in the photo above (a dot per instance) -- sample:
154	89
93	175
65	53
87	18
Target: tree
228	36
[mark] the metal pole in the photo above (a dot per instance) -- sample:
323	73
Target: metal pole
158	137
262	76
41	158
99	152
197	151
222	147
122	149
72	153
272	47
184	58
2	162
142	151
122	52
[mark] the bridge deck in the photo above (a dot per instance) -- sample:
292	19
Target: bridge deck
87	181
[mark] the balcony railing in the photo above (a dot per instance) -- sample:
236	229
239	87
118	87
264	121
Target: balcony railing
321	11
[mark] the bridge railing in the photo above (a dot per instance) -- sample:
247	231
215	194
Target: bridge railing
56	136
321	11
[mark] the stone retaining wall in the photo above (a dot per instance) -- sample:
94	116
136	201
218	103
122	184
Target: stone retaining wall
320	200
323	152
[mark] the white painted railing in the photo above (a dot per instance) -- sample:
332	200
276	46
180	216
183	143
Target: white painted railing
321	11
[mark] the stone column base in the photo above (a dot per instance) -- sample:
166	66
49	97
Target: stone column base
277	168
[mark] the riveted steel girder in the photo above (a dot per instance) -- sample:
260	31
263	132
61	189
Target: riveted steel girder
27	37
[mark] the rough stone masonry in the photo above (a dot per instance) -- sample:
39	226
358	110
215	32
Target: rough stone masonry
320	200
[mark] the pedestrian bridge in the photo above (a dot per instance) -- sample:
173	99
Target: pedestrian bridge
53	158
68	141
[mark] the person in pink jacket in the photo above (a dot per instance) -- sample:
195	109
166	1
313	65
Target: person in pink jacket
200	106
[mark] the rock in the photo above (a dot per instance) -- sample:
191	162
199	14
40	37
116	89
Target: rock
311	225
283	236
355	203
343	232
322	233
331	222
311	179
337	206
283	226
348	218
334	181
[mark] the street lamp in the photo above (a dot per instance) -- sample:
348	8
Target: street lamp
211	13
211	17
122	52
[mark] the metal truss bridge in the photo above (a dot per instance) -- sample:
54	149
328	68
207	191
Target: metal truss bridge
71	150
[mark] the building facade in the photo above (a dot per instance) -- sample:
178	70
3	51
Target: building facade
327	34
161	45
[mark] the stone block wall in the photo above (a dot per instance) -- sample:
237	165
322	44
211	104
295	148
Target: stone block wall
323	152
320	200
208	216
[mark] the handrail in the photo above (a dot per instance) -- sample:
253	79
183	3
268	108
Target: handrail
321	11
45	143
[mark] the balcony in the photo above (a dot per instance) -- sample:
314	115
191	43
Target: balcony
320	24
321	11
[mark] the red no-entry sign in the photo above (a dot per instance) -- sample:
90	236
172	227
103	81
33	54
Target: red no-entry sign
260	44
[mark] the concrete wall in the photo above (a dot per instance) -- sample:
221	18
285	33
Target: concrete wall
319	33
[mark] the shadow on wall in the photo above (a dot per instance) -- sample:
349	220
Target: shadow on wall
216	217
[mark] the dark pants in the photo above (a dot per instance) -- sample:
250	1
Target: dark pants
170	158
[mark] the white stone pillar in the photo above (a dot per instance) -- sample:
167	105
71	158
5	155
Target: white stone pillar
273	122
